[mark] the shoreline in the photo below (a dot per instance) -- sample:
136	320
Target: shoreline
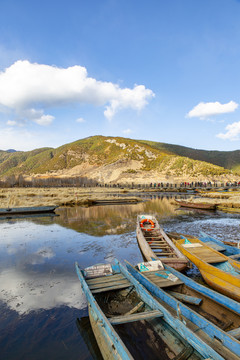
22	197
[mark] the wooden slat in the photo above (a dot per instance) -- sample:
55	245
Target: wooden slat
109	283
110	288
135	317
104	279
157	243
235	333
157	247
162	253
164	247
186	298
206	254
153	237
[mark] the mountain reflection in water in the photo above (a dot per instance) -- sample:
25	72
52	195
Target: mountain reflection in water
111	219
40	295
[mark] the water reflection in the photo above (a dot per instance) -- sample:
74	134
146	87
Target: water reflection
40	295
111	219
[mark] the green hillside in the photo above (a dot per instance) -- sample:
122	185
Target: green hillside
101	151
227	159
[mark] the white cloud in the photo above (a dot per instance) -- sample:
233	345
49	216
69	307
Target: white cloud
80	120
203	110
24	293
127	131
20	138
232	132
25	87
44	120
11	122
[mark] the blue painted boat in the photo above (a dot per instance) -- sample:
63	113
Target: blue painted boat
120	308
27	210
221	246
211	315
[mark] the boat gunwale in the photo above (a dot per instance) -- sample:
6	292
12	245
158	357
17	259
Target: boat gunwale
148	252
212	330
207	270
197	343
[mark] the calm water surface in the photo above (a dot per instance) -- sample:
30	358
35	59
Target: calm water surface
40	294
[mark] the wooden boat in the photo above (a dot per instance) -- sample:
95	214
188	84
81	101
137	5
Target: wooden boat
199	306
228	248
219	271
222	246
156	245
27	210
202	206
128	323
85	329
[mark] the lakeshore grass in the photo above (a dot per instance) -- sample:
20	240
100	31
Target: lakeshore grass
21	197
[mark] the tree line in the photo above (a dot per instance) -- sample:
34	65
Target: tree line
20	181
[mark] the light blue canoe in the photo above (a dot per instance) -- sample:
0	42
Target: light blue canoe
212	315
115	298
232	251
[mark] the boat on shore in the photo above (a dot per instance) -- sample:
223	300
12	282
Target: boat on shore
229	248
218	270
222	246
156	245
128	323
201	206
27	210
211	314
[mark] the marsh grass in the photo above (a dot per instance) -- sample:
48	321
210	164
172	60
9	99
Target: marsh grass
21	197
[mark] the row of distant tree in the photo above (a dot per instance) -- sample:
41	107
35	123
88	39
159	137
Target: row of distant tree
20	181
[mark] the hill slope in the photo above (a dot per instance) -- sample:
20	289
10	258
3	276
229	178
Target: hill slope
112	159
227	159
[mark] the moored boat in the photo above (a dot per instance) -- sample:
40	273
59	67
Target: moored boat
129	323
219	271
27	210
229	248
202	206
156	245
211	314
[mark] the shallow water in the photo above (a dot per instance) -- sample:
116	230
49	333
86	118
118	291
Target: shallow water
40	295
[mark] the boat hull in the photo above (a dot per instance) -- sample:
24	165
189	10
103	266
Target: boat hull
207	309
27	210
224	282
103	339
201	206
154	320
175	259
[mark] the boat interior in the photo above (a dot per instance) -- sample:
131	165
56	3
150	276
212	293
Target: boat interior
143	330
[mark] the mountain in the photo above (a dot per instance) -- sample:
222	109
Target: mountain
11	150
115	159
227	159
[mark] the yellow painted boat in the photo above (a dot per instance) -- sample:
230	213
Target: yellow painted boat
219	271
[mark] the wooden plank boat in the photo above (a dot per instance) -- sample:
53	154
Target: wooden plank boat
128	323
156	245
229	248
203	206
221	246
27	210
219	271
85	329
210	314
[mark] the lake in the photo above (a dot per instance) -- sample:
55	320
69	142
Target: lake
40	294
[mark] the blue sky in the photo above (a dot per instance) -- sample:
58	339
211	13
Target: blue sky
166	71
